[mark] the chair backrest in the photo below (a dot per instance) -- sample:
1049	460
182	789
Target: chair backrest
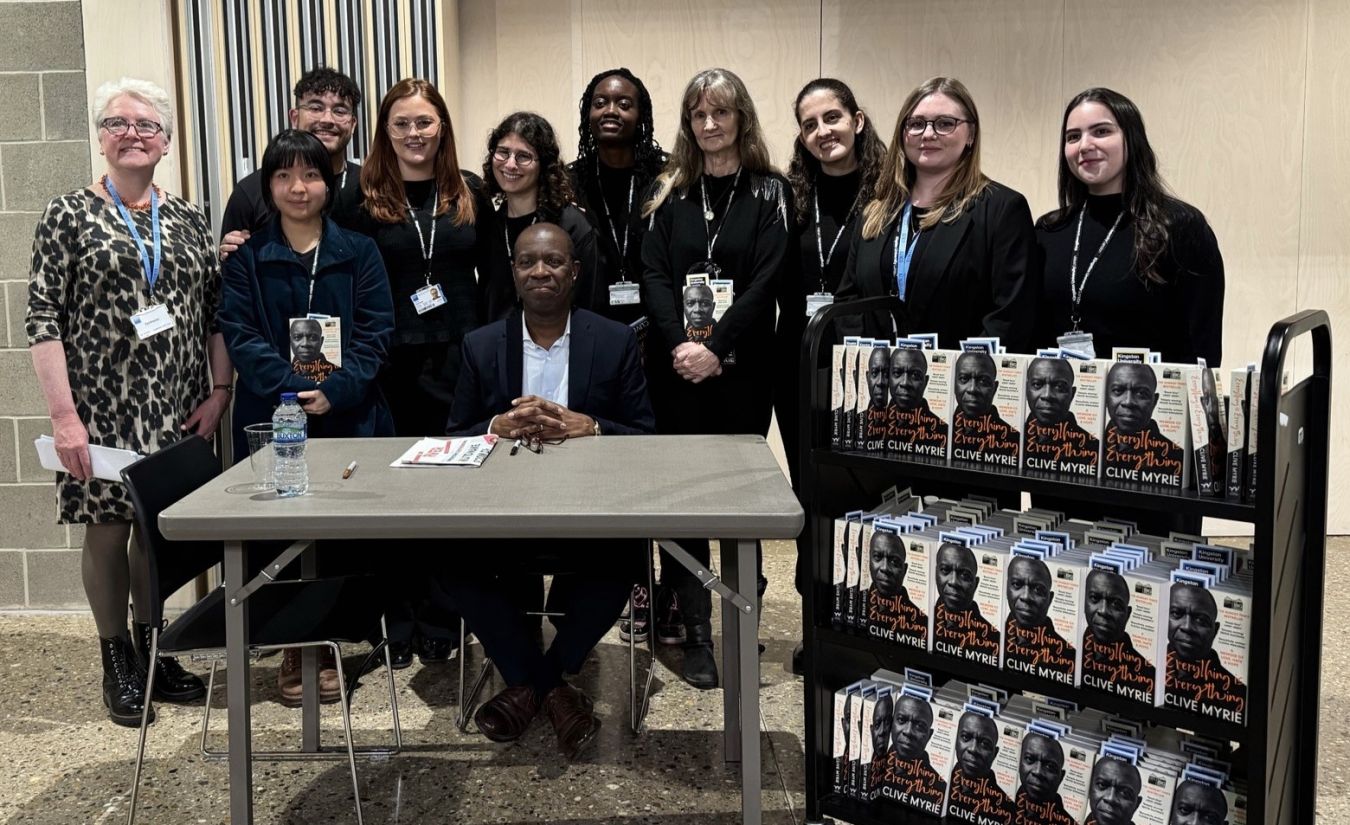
154	483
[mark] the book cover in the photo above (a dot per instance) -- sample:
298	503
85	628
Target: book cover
844	698
987	406
874	366
919	417
966	606
837	396
1042	625
1198	801
893	603
1209	442
983	779
1120	635
1238	404
1063	428
852	344
1207	651
1147	437
878	710
919	759
1042	771
839	568
1253	416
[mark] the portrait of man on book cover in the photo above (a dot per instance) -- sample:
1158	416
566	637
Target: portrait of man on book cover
1110	660
910	776
1114	792
958	627
1194	672
974	790
1040	768
890	610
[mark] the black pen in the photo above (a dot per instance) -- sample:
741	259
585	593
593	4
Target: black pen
515	448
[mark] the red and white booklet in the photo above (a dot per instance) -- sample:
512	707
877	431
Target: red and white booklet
470	451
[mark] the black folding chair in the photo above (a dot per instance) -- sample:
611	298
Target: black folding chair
325	612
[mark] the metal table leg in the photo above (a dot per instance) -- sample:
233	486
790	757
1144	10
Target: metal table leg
740	659
237	688
739	565
309	668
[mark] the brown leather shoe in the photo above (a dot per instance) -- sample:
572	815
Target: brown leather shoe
506	716
288	678
329	691
291	685
573	716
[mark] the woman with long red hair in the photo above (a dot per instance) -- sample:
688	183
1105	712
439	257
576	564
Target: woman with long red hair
422	212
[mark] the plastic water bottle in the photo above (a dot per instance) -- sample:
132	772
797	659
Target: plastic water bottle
289	432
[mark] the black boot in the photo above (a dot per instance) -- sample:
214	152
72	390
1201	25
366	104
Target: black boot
700	666
172	683
123	682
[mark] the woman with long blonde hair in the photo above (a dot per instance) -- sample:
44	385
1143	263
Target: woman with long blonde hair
718	233
956	247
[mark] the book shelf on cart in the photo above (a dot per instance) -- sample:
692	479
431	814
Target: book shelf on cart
1276	750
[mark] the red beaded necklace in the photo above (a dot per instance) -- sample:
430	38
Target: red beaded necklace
138	205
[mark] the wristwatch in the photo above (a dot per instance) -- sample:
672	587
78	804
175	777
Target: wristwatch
596	427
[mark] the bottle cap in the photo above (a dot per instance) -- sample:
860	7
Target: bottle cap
288	396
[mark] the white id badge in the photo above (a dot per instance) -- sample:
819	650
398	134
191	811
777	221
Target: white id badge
624	293
1080	342
152	321
814	303
428	298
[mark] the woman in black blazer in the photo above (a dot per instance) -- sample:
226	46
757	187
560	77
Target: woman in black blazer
967	264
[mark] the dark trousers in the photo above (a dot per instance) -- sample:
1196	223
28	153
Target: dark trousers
695	599
590	595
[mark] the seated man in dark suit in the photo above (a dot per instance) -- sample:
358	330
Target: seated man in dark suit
544	373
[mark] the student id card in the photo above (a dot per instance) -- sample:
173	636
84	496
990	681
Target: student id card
152	321
817	302
624	293
428	298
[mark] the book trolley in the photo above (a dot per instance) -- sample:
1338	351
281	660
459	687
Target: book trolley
1276	750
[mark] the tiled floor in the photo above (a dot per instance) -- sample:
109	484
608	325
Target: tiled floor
65	763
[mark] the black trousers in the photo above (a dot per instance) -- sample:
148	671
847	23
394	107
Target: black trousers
591	584
695	599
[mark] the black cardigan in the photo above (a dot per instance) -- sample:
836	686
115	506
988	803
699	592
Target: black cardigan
977	275
750	249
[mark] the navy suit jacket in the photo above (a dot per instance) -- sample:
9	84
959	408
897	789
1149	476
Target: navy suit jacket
605	378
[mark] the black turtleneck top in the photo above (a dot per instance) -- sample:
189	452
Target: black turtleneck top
1181	318
838	215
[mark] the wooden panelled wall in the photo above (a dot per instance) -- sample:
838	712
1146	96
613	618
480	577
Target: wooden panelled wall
1244	102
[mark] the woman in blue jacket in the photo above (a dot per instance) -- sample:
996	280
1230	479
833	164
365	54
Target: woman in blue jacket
305	308
293	289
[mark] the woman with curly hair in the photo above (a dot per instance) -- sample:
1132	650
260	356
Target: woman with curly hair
1146	253
617	160
836	160
711	259
528	183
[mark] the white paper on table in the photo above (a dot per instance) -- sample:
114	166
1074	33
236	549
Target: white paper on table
470	451
108	462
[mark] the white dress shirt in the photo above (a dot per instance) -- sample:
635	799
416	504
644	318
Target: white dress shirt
546	370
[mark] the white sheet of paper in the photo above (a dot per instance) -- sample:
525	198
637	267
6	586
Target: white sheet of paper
108	461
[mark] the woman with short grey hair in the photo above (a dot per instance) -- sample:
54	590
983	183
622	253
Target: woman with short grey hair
122	300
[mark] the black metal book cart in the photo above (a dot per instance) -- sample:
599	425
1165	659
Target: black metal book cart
1276	750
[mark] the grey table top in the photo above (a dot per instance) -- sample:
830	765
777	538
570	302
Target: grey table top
609	487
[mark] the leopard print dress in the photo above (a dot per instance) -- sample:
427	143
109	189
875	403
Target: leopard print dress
85	284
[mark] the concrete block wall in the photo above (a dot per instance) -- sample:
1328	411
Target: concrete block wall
44	151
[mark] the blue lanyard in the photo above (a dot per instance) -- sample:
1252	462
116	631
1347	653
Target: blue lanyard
151	272
902	243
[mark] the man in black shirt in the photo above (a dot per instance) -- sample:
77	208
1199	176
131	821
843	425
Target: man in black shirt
958	627
1030	636
1131	395
326	106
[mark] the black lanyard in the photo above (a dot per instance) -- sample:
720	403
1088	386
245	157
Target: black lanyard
609	220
